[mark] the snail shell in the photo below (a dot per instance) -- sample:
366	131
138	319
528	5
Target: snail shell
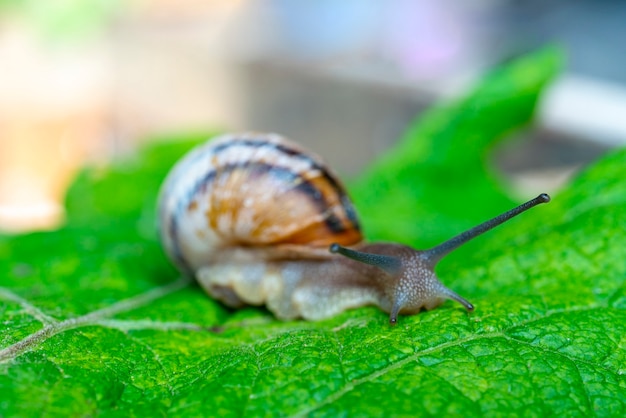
252	217
236	204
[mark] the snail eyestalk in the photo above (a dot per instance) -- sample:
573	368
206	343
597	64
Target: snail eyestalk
437	253
387	263
456	297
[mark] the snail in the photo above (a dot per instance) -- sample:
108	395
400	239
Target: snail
260	221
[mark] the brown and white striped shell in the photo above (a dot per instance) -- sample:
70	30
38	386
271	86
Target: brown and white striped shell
252	190
236	209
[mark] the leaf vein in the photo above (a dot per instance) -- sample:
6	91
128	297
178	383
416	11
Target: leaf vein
573	359
458	342
158	360
28	307
129	325
354	383
91	318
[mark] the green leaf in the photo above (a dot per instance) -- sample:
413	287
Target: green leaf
96	321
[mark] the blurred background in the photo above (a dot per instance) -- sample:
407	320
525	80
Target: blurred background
85	81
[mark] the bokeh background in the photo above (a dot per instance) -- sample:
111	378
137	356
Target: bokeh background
86	81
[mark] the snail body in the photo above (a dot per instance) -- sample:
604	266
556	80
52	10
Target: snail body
260	221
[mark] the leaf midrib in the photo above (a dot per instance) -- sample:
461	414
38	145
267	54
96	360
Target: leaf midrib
91	318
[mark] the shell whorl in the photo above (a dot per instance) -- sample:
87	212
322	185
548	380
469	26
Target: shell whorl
251	190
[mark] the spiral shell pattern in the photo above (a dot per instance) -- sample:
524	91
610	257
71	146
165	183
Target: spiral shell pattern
251	190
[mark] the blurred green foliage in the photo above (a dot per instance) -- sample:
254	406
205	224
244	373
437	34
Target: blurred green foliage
67	20
125	193
439	180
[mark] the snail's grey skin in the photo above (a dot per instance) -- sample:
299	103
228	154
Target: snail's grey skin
260	221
